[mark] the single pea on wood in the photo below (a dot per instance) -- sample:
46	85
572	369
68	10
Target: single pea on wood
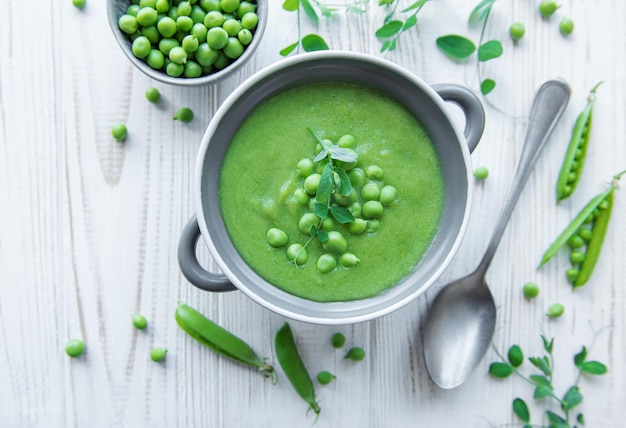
294	368
75	348
590	225
158	354
574	160
219	339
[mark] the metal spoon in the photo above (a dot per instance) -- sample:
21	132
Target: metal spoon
461	321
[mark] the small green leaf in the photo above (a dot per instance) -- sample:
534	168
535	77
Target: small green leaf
417	4
345	185
500	370
343	154
547	344
325	186
291	5
392	44
385	45
580	418
320	210
580	358
322	235
490	50
355	9
326	11
480	11
487	86
556	420
542	364
389	29
410	22
572	398
521	409
593	367
313	42
542	392
287	50
455	46
313	231
516	356
540	380
341	214
309	11
385	2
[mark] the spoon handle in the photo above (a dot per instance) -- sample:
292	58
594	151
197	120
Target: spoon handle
548	105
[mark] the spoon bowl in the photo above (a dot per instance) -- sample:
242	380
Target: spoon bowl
462	319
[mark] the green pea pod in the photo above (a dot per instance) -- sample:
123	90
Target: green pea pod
600	226
574	160
220	340
574	225
289	359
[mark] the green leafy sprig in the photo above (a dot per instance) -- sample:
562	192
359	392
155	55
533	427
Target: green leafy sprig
313	9
459	47
542	383
392	29
333	180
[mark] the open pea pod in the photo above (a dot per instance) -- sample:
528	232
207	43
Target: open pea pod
600	226
291	363
219	339
574	160
574	225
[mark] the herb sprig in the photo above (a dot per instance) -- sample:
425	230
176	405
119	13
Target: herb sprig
542	383
392	28
459	47
333	180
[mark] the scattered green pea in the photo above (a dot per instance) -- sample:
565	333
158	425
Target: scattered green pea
153	95
75	348
336	243
517	31
184	114
326	263
387	195
301	196
276	237
531	290
337	340
572	275
566	26
372	209
346	141
355	354
481	172
325	377
373	226
374	172
370	192
79	3
305	167
158	354
298	254
358	226
307	221
547	8
348	260
119	132
311	183
139	321
555	310
357	177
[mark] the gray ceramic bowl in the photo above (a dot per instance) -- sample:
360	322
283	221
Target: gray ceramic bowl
117	8
427	103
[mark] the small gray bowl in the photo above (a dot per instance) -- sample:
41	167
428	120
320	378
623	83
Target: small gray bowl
428	104
117	8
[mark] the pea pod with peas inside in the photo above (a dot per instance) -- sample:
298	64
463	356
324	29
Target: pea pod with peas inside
291	363
219	339
597	213
573	163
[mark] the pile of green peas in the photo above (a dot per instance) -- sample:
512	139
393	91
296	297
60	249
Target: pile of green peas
368	200
189	38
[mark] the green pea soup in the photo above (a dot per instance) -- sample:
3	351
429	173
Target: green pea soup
258	179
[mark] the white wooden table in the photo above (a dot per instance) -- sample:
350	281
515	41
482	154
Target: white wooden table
89	230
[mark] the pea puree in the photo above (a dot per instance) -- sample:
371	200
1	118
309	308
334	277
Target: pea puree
259	177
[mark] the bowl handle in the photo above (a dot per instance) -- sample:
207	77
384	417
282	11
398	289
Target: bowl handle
190	266
471	106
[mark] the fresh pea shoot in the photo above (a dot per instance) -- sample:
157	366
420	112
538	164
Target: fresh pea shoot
542	380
